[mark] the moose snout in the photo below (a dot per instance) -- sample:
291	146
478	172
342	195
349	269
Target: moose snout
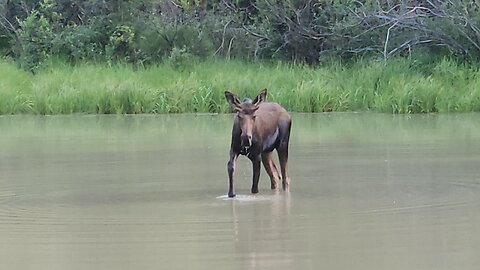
246	143
246	140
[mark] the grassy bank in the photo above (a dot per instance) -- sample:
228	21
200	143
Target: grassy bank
401	86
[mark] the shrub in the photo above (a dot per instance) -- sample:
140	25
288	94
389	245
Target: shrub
121	44
79	43
36	32
161	39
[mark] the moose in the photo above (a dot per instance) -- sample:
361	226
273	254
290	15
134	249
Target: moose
259	128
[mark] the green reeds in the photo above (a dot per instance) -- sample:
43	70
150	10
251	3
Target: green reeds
399	86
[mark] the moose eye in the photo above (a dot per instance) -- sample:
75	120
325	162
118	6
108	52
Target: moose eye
254	117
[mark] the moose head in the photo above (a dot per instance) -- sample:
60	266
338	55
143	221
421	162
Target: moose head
245	116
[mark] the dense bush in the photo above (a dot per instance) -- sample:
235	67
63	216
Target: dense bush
150	31
35	35
79	43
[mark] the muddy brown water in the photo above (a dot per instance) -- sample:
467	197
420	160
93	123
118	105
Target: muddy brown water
369	191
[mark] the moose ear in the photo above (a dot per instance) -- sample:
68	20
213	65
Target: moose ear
233	100
261	97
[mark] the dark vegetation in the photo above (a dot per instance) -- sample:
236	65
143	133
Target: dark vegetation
145	32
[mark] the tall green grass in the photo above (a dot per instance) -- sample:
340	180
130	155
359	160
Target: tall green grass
400	86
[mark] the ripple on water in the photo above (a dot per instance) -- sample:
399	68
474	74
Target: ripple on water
247	198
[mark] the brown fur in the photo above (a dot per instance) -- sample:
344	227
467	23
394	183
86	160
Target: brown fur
259	128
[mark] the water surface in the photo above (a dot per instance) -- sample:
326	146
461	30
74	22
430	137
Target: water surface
369	191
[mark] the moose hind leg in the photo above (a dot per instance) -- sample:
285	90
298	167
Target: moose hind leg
283	158
271	169
283	155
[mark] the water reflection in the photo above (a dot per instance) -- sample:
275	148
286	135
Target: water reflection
261	226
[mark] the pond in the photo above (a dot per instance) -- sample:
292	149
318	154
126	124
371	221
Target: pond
368	191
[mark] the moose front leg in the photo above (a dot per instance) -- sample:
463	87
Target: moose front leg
256	163
231	169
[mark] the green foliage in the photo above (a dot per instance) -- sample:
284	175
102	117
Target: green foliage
146	32
150	31
15	89
394	87
162	40
79	43
36	33
121	43
180	58
176	47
